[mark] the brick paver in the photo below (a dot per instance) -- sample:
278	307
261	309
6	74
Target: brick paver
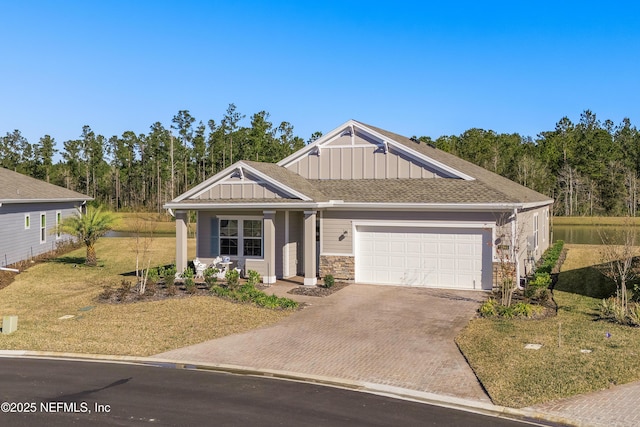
397	336
618	406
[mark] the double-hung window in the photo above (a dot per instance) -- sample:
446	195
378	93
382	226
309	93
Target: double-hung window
229	237
535	231
43	228
252	237
241	237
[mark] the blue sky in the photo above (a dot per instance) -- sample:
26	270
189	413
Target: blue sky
412	67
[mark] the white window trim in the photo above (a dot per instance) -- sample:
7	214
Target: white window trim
240	236
27	221
58	222
536	236
43	236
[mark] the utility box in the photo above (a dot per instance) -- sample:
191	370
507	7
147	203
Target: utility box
9	324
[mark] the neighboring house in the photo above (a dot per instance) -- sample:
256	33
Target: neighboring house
368	205
30	211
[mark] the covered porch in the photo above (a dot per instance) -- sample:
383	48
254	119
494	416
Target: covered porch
277	243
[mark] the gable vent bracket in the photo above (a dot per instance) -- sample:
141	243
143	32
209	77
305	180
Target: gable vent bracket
353	135
385	145
241	172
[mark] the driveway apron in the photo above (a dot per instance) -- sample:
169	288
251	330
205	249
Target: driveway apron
397	336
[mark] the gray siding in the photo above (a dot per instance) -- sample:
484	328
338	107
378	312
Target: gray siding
296	231
362	159
18	243
335	223
241	190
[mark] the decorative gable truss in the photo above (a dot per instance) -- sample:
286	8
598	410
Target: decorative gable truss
354	151
241	181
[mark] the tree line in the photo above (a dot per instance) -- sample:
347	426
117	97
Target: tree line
143	171
589	168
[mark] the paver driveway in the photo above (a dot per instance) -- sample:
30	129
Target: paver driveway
395	336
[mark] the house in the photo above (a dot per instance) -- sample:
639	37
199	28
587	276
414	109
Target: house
367	205
30	211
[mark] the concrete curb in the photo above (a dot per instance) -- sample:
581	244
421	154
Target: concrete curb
366	387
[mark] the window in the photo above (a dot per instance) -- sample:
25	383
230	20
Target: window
58	221
252	234
43	228
241	233
535	231
27	221
229	237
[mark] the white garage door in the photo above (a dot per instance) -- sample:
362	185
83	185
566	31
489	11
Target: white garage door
432	257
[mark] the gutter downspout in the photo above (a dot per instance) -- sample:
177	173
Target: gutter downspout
516	251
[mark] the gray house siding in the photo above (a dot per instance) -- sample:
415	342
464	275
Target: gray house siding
364	159
18	243
334	224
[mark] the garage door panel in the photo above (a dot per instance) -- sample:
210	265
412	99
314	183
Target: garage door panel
434	257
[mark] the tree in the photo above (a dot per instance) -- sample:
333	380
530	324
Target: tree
89	228
620	263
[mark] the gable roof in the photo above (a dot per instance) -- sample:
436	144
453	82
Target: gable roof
18	188
465	184
512	190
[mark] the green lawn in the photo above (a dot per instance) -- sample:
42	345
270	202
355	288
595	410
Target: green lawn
517	377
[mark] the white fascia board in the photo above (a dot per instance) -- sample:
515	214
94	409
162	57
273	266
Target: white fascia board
536	204
324	139
416	154
19	201
453	207
261	206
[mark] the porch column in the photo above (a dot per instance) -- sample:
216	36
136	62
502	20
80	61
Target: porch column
181	240
269	246
310	278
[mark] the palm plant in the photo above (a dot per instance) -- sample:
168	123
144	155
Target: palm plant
89	228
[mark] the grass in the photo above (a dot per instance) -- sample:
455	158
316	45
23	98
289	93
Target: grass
516	377
45	292
594	220
144	221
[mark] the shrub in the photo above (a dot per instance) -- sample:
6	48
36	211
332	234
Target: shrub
254	277
107	292
170	276
508	312
329	281
488	308
233	278
538	287
190	285
124	290
210	277
188	273
634	314
523	309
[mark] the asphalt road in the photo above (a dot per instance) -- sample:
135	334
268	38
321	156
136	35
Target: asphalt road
35	392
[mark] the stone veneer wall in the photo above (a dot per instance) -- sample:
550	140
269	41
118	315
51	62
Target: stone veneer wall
499	270
339	266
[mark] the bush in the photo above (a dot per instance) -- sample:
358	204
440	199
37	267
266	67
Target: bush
124	290
254	277
329	281
523	309
170	277
210	277
539	286
488	308
233	278
107	292
249	293
188	273
190	285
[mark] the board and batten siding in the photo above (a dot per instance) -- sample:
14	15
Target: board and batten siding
16	242
334	224
362	159
241	190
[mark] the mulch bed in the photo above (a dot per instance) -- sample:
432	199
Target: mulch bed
124	294
318	291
